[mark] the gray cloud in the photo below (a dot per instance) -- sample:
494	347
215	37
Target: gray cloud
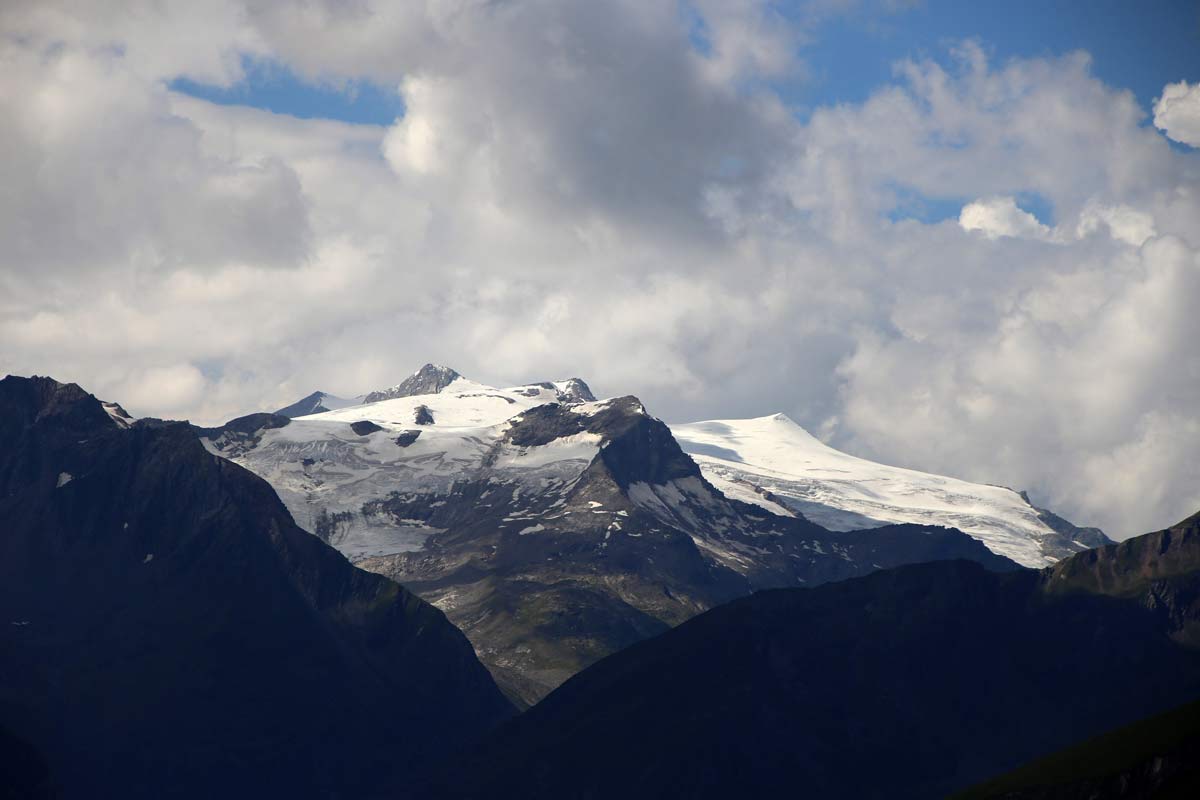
578	188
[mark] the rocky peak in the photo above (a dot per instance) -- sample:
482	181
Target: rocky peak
574	390
429	379
24	401
313	404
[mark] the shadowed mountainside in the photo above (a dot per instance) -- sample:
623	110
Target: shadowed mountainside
168	631
907	683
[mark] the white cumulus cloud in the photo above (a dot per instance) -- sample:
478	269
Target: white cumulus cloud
580	187
1001	216
1177	112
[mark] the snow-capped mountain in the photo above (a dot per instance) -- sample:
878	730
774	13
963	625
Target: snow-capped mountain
773	462
327	466
552	528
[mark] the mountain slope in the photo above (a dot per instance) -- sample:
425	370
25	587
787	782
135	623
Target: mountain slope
1152	759
169	631
775	463
907	683
552	532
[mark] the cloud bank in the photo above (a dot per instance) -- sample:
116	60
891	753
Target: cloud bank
615	190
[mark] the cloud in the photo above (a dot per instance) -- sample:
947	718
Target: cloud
1177	112
1122	222
598	189
1000	216
172	388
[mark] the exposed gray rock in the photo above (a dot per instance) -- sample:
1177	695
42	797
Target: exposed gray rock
422	415
429	379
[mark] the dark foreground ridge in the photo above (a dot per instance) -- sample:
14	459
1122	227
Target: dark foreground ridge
907	683
1156	758
168	631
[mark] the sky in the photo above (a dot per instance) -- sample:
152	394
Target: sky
963	238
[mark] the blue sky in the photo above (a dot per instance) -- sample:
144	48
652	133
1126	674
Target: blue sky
1135	45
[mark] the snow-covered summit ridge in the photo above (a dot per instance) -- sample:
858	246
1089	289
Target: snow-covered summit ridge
461	403
329	467
779	465
435	379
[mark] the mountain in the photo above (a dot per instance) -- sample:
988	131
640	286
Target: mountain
1152	759
23	772
551	529
429	379
775	463
169	631
316	403
906	683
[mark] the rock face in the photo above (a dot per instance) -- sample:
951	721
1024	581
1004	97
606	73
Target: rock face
429	379
169	631
907	683
574	390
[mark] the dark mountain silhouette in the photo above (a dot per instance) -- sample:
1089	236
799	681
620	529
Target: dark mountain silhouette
1152	759
167	631
907	683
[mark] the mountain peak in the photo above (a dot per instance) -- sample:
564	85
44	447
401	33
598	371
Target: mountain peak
316	403
574	390
429	379
24	401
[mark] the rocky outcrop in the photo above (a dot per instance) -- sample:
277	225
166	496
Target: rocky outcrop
1069	532
429	379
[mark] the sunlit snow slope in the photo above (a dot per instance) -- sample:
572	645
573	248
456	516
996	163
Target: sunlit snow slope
777	464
